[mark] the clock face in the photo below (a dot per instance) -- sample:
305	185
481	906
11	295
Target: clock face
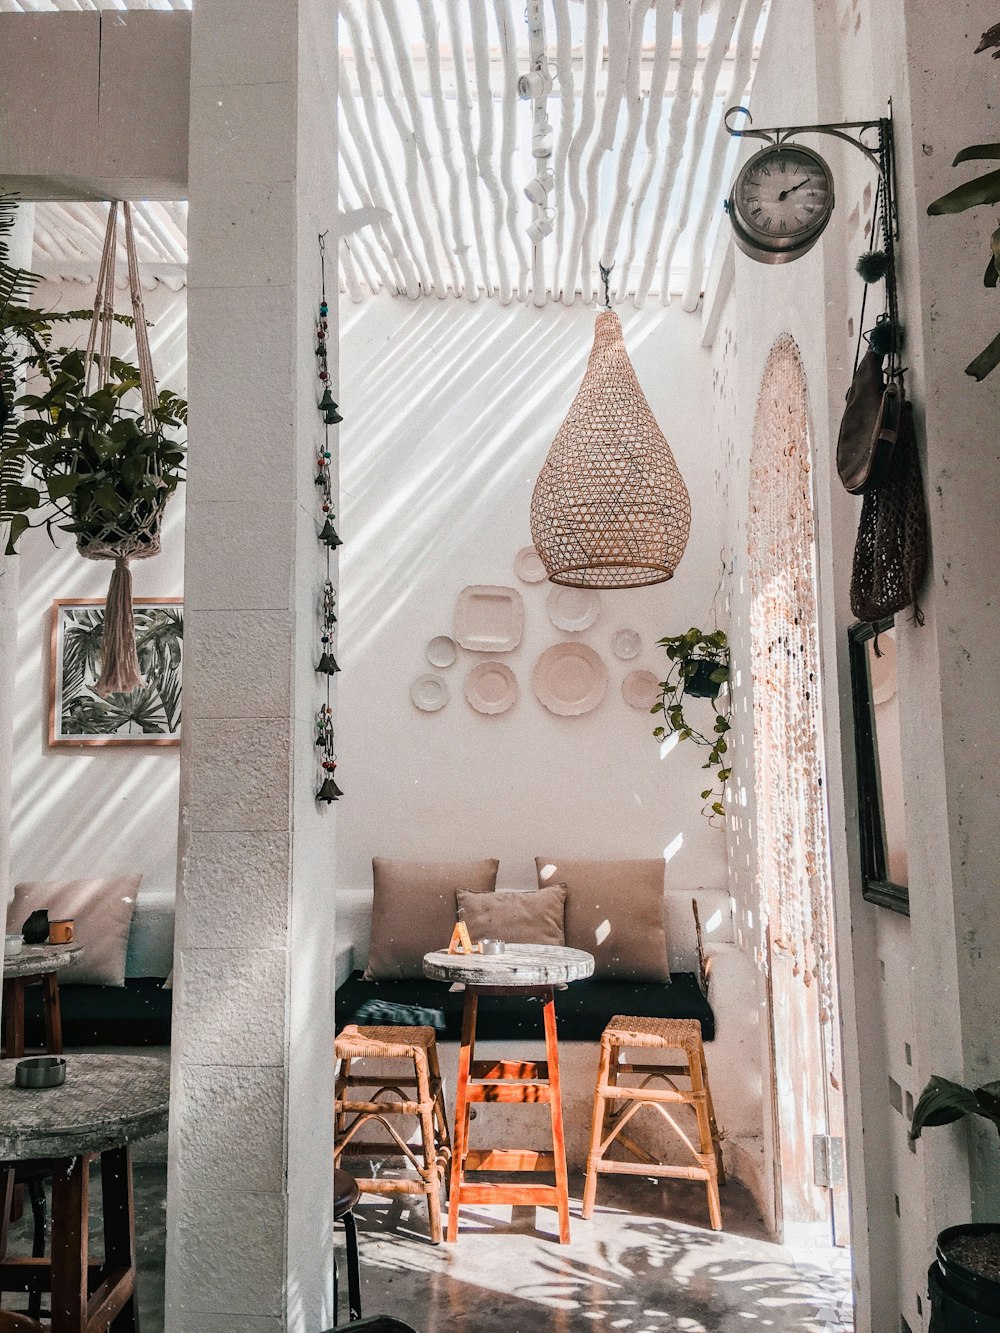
781	201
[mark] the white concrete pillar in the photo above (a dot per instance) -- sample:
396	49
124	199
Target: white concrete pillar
249	1214
19	245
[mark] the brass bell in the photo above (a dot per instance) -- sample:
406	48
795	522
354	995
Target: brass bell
329	409
327	664
329	791
328	534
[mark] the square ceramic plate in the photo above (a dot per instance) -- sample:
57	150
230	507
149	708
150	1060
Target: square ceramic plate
489	618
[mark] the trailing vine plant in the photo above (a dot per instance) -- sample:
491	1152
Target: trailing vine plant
699	667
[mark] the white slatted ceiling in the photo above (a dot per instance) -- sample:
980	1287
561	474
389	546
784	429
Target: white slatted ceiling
432	130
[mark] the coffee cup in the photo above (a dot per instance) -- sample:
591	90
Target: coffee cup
538	189
61	932
12	945
491	946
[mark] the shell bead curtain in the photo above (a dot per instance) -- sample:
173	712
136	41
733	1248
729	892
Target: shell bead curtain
610	508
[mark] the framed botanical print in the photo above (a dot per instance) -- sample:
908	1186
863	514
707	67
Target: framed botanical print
150	715
881	812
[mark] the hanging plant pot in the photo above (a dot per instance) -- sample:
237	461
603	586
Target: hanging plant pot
964	1280
702	683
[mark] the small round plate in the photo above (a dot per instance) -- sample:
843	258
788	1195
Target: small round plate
441	651
528	565
573	609
491	687
640	689
626	644
569	679
429	693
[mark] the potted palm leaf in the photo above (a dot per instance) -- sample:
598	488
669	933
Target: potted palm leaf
964	1280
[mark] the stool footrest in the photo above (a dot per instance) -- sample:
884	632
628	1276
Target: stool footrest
648	1169
522	1070
508	1159
509	1092
541	1196
623	1093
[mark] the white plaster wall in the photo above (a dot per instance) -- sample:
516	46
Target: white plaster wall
98	810
449	411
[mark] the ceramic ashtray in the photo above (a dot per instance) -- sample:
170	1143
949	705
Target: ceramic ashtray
12	944
40	1071
491	946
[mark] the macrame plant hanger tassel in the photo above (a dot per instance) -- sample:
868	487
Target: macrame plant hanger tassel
610	508
327	536
136	534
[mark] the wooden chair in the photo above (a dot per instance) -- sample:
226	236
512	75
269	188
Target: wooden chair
615	1104
18	1323
384	1100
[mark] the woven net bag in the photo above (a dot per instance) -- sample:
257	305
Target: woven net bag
135	535
890	557
610	509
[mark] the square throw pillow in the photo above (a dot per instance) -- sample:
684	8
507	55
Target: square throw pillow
535	917
414	911
101	910
614	910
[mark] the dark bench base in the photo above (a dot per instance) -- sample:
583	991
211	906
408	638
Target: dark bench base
136	1014
582	1009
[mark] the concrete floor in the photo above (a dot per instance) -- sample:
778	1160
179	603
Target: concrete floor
645	1262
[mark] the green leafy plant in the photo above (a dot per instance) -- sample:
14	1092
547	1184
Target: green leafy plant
983	189
699	667
85	457
943	1102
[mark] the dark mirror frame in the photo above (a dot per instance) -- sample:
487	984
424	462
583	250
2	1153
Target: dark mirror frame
876	887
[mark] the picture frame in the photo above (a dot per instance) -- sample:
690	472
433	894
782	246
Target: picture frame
877	763
147	716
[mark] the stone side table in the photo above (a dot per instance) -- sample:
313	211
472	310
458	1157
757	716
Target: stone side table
106	1103
529	970
31	965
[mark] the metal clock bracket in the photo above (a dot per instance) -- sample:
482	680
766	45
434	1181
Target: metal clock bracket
880	154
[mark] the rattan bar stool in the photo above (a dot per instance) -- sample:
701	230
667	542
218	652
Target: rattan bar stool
384	1099
616	1103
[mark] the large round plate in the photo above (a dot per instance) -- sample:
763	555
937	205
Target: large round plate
491	687
528	565
569	679
441	651
640	689
429	693
626	644
573	609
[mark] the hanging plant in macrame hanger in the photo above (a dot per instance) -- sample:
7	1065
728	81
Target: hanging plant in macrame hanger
610	508
134	533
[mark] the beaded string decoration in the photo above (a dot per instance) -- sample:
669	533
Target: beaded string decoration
327	535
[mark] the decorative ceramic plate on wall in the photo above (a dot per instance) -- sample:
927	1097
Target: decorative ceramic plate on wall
569	679
528	565
489	618
626	644
491	687
640	689
441	651
429	693
573	609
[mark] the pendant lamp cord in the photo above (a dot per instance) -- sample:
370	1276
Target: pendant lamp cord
605	277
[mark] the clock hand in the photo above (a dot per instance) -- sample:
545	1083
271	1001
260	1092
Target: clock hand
785	193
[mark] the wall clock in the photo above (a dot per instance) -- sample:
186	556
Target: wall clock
780	202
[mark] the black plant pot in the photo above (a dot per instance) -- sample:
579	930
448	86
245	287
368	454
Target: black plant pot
962	1301
700	684
36	928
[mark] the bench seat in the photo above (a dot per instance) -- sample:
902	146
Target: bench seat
582	1009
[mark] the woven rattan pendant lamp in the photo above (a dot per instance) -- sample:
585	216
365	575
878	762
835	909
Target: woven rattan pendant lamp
610	508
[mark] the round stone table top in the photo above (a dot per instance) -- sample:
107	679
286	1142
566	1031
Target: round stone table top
518	965
32	960
106	1101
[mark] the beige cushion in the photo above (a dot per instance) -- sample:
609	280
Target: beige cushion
535	917
414	911
102	912
614	910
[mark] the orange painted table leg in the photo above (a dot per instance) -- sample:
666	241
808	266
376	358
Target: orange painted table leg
508	1081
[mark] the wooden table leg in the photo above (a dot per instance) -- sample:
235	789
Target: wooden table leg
555	1111
460	1139
70	1195
119	1230
13	1018
52	1013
